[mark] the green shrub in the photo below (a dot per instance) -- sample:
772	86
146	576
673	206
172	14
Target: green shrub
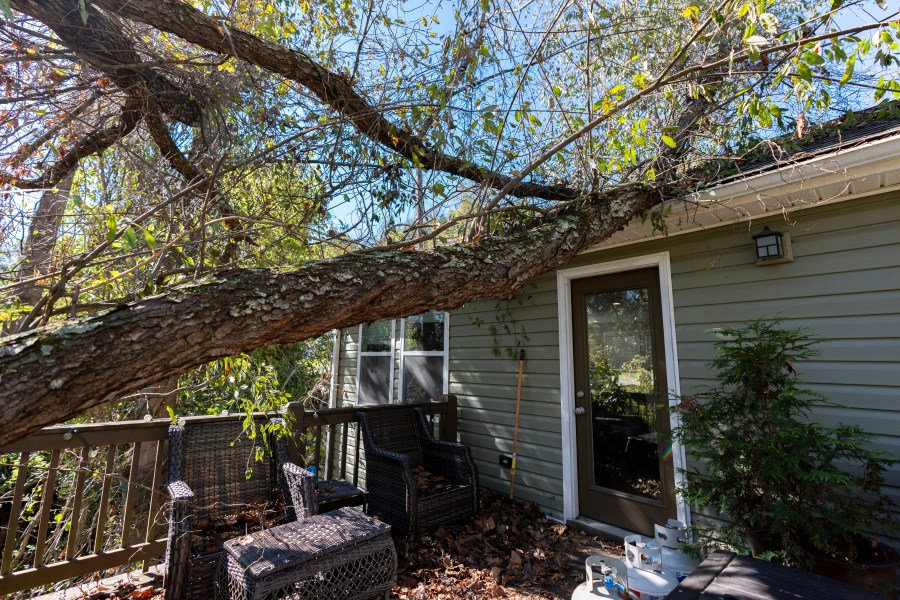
792	488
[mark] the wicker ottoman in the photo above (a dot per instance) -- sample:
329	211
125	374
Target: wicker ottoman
342	554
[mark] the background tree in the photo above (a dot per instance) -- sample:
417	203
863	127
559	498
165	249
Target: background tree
189	143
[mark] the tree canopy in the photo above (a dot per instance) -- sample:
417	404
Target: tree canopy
184	180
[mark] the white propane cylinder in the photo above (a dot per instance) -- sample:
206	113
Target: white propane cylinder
670	538
647	579
611	582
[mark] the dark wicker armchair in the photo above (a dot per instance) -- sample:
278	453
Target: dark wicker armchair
207	480
397	442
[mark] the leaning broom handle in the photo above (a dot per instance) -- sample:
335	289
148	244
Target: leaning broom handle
512	471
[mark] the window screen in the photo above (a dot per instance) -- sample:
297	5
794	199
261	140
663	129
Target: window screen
423	378
374	379
376	365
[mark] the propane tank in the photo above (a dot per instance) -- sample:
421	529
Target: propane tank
647	579
670	538
611	583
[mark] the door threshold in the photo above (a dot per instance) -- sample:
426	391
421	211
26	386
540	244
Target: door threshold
600	529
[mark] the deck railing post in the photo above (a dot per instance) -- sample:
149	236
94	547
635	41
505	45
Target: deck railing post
296	446
448	422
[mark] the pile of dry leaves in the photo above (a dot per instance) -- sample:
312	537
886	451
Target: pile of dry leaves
509	550
428	482
210	534
124	591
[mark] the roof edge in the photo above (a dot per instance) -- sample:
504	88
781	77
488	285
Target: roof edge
867	169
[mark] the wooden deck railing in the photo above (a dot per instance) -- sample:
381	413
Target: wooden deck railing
88	498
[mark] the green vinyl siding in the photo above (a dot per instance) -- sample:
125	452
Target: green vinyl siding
485	384
844	285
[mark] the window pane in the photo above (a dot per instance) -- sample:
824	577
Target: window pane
374	379
423	378
425	332
376	337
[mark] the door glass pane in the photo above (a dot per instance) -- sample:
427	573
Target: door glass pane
623	399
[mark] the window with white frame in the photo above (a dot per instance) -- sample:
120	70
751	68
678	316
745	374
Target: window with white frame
424	367
375	369
424	341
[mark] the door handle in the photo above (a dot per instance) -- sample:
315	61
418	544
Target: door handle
579	410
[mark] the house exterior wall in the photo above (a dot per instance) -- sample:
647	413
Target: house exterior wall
844	284
346	367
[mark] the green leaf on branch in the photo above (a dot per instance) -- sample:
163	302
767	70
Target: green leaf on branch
769	23
130	238
692	13
812	58
111	228
668	141
848	69
756	41
5	8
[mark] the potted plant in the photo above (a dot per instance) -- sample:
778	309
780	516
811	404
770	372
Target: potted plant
794	490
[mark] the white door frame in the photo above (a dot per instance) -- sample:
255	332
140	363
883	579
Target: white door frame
564	279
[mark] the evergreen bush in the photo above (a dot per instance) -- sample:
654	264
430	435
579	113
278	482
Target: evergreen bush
792	488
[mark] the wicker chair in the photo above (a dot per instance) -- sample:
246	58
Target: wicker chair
304	495
397	441
208	479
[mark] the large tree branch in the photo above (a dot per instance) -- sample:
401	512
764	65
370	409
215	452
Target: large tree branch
94	142
107	49
55	373
331	88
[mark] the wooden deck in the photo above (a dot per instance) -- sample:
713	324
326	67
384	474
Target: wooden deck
90	498
139	579
727	576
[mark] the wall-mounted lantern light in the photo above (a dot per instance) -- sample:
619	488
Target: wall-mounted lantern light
772	247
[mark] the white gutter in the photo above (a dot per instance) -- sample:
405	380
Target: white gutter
867	169
842	164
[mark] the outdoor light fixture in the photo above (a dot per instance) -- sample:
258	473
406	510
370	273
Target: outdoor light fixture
772	247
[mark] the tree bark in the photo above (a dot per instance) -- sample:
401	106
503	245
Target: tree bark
42	235
55	373
107	49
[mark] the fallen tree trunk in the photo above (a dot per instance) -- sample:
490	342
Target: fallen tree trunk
52	374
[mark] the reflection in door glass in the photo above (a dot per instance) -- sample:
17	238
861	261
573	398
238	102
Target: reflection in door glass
623	398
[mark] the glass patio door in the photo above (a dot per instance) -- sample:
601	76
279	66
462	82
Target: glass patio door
625	472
